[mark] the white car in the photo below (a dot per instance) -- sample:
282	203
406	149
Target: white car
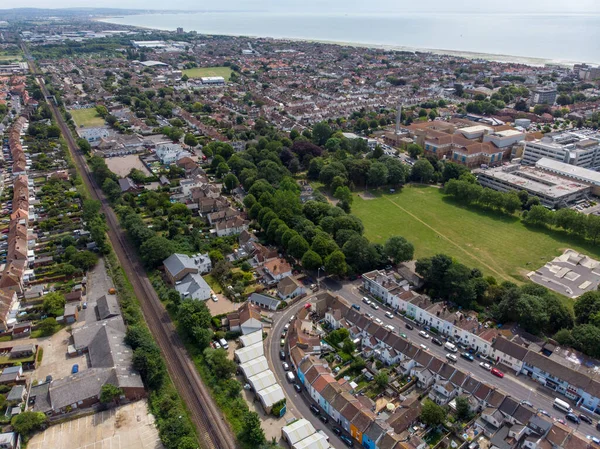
374	306
389	314
423	347
214	297
369	315
390	328
485	366
366	300
286	327
286	367
424	334
451	357
378	321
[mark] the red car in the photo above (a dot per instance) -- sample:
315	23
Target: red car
497	372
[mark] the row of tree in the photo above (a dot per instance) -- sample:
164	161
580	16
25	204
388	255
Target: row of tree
532	306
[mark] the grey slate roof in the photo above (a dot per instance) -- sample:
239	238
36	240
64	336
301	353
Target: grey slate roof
176	263
107	306
82	336
16	393
263	300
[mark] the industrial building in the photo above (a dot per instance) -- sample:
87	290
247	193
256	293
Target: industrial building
553	191
213	80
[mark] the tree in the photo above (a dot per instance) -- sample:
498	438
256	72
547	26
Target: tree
111	188
190	140
321	133
414	150
335	263
538	215
311	260
297	246
399	249
343	194
84	146
85	260
230	182
54	304
220	365
432	414
422	171
586	338
252	434
586	306
382	378
155	250
378	174
348	346
463	409
48	327
27	423
110	393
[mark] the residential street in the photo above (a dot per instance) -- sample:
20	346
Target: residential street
519	387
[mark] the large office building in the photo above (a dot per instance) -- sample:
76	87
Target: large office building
580	148
543	95
553	191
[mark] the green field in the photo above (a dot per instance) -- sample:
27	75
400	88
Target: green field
499	245
88	118
199	72
10	57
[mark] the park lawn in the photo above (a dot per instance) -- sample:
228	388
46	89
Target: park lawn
500	245
4	57
199	72
87	118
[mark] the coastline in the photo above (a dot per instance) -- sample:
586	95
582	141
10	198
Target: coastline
492	57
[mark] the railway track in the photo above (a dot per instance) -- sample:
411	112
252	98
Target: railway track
211	427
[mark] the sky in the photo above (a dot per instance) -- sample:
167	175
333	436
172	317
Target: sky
328	6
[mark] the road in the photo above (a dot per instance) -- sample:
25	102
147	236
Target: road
297	402
205	415
518	387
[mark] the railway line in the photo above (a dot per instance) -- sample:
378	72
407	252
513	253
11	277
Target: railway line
211	427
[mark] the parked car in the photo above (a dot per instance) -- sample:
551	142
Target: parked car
586	418
390	327
423	334
374	306
347	441
408	326
298	388
527	403
324	419
315	410
423	347
355	306
282	355
366	300
403	335
286	327
572	417
282	342
436	341
378	321
485	366
497	372
545	413
389	315
216	345
467	356
452	357
75	369
336	430
369	315
286	367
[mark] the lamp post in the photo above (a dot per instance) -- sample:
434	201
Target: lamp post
318	280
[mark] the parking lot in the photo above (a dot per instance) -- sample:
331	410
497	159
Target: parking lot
123	165
126	427
56	362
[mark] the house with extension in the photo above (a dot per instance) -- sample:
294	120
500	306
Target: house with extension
193	286
275	270
289	287
246	319
177	266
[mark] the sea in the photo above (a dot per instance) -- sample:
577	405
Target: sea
533	38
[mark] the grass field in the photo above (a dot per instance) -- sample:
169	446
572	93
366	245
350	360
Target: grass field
10	57
88	118
199	72
499	245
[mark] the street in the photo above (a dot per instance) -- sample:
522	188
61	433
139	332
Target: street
518	387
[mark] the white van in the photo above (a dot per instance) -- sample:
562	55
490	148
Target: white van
290	377
224	343
450	347
562	405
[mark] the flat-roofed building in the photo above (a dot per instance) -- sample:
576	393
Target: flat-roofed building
553	191
569	171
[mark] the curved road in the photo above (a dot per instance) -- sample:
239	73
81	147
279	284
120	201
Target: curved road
207	418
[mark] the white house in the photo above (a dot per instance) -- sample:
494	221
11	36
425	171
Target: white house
193	286
170	153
